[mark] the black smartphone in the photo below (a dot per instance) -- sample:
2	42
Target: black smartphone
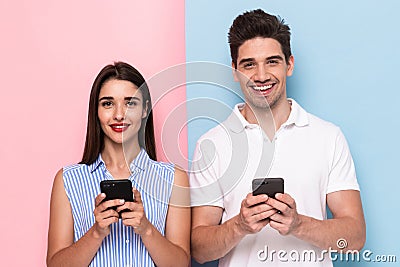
117	189
269	186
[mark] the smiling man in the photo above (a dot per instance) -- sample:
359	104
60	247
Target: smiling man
272	136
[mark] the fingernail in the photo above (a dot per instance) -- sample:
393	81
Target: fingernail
121	201
103	195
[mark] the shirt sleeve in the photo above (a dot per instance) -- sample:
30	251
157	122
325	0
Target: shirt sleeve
342	175
204	186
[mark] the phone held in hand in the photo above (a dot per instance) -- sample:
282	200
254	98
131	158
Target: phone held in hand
268	186
117	189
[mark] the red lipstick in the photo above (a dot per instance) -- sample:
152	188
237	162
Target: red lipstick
119	127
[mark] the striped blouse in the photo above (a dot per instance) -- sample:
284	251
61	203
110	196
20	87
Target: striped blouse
122	247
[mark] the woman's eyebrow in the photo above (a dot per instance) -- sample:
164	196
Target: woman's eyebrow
106	98
132	98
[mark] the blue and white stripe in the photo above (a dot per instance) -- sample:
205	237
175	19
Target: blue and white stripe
122	247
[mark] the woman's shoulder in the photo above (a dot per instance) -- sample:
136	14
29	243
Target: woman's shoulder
161	165
76	170
74	167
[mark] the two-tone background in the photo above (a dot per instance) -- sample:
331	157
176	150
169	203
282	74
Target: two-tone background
346	71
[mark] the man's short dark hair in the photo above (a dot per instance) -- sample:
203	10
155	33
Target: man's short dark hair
257	23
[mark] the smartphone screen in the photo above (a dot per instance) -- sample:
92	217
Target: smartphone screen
117	189
268	186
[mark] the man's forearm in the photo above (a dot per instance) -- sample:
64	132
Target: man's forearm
213	242
327	234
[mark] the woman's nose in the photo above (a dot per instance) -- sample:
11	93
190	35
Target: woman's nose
119	113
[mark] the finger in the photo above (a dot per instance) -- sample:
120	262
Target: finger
112	203
264	215
260	208
137	196
107	222
276	225
251	200
277	217
106	214
135	223
287	199
99	198
130	215
127	206
258	226
280	227
278	204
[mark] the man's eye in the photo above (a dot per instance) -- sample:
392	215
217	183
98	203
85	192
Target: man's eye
249	65
272	62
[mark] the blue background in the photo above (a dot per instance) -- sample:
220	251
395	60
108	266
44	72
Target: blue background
346	71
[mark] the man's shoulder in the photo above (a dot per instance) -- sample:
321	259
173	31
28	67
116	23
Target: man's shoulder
317	121
323	127
214	133
220	132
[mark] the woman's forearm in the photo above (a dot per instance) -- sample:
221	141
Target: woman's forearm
80	253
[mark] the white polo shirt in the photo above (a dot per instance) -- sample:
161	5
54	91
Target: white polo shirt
310	154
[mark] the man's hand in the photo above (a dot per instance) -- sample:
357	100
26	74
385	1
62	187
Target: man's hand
254	213
287	220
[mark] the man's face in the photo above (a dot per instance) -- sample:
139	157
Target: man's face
263	72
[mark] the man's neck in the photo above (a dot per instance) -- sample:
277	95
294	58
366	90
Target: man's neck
270	120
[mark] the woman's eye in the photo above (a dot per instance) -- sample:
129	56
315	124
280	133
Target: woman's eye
132	103
106	104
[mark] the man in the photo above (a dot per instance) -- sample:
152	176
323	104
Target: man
272	136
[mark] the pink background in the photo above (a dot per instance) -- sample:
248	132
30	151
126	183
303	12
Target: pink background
51	52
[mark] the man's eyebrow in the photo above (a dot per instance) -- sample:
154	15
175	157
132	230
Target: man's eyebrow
275	57
244	60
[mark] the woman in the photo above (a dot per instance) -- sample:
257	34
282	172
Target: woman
85	230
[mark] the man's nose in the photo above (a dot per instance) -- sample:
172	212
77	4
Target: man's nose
261	74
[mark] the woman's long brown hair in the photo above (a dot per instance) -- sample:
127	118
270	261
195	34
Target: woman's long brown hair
94	143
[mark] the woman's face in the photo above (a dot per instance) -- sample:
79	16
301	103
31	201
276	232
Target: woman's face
120	111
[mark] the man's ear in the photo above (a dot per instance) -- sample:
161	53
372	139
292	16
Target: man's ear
234	72
145	110
290	66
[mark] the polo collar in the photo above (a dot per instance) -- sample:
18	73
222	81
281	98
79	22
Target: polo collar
298	116
237	123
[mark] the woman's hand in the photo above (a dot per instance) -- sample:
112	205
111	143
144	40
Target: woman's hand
105	215
134	215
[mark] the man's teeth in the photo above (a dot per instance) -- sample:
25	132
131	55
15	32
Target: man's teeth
262	88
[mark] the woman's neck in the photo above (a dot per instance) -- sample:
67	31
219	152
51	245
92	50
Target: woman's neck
117	158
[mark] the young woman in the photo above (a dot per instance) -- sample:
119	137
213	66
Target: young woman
154	229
